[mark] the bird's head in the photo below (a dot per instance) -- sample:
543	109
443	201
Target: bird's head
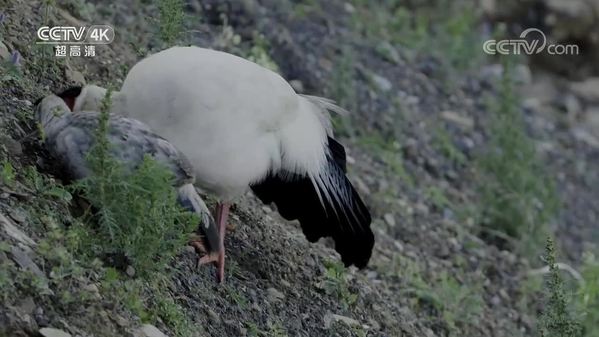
49	109
86	98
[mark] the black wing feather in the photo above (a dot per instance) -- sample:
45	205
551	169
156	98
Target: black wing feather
346	218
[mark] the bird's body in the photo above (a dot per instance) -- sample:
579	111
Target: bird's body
243	126
68	137
285	130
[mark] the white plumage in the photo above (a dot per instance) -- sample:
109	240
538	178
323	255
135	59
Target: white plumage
243	126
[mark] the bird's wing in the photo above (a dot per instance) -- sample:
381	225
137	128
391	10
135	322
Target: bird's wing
130	140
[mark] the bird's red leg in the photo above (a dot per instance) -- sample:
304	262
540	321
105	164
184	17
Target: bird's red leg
222	213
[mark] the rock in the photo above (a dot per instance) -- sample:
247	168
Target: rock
93	289
148	330
25	262
457	119
17	215
13	147
213	316
330	319
75	76
15	232
273	294
389	219
382	83
349	8
51	332
585	137
4	53
587	90
130	271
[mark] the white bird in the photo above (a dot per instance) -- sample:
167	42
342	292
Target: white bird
243	126
69	136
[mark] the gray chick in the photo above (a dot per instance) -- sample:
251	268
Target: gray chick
69	136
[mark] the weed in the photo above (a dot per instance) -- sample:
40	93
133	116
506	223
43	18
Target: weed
517	197
259	53
444	144
436	195
389	151
457	304
7	173
137	212
172	18
557	319
334	283
588	295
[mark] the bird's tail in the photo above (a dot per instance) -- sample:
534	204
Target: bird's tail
326	206
190	199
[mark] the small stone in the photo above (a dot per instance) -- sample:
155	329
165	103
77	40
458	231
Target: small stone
120	320
349	8
25	262
17	216
4	53
381	82
389	219
15	232
27	306
457	119
274	295
148	330
93	289
213	316
130	271
329	319
13	147
51	332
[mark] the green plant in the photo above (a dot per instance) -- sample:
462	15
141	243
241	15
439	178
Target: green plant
458	304
334	283
259	53
437	197
172	18
138	216
444	144
389	151
557	319
517	196
588	295
7	173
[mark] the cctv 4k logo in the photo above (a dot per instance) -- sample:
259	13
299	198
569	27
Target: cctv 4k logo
62	35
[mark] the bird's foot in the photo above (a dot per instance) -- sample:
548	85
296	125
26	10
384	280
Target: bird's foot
218	258
230	227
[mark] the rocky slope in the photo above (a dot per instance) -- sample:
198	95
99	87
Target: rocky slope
412	138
